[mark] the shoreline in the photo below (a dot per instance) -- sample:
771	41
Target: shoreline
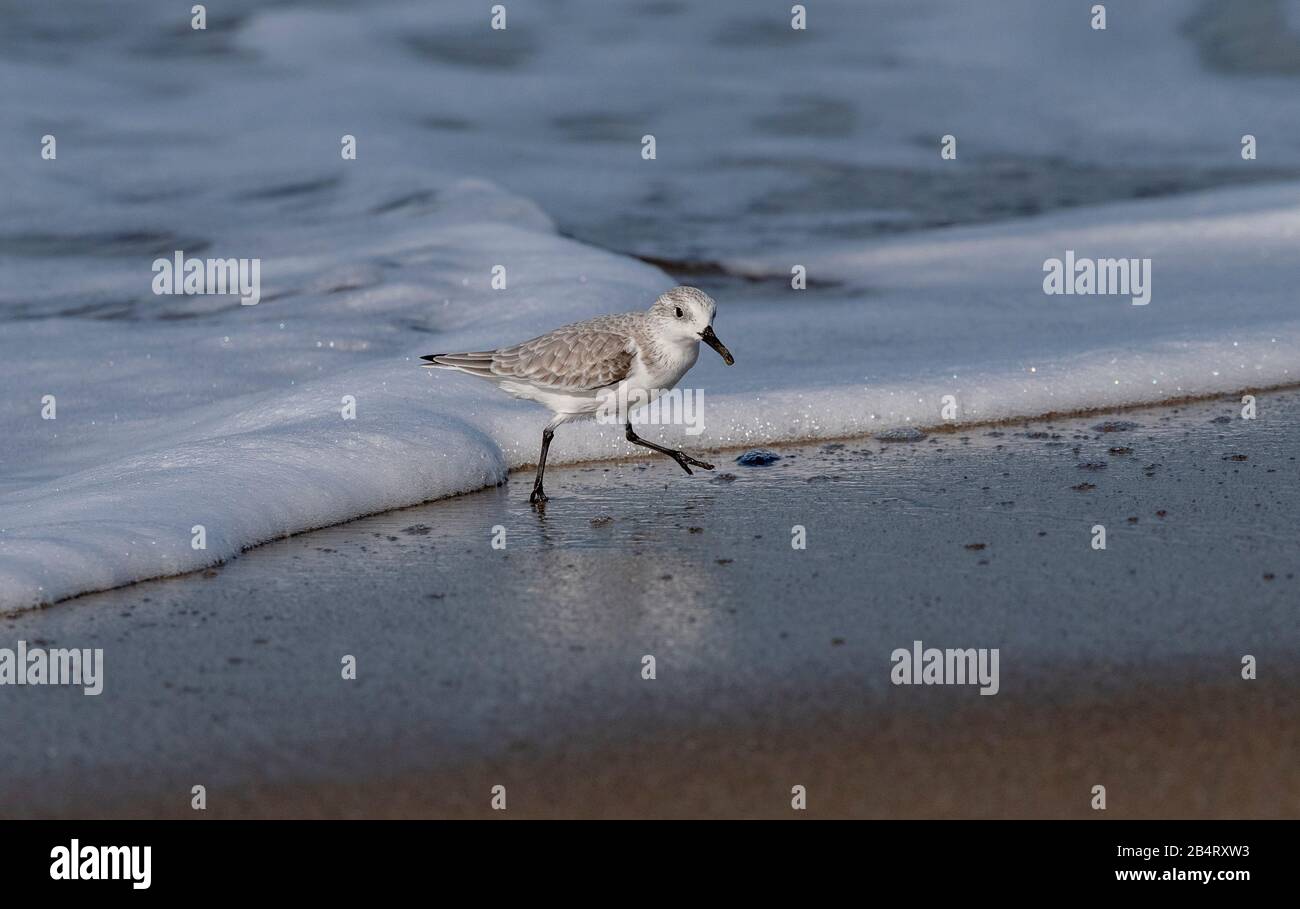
934	429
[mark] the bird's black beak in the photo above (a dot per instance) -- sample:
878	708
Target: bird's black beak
709	338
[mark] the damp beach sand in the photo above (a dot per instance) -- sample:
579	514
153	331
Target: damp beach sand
522	666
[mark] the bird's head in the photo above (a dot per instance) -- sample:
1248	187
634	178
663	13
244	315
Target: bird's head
686	314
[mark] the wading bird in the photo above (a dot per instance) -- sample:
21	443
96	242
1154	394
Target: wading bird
589	367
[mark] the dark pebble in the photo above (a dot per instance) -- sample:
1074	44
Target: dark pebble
905	434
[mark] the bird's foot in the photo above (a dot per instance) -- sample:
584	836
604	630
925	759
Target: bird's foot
682	459
539	497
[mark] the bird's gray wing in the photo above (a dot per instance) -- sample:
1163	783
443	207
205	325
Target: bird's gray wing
577	359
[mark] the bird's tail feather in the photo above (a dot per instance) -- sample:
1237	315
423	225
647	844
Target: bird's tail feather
476	363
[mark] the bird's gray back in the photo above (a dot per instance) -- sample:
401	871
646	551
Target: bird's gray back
583	356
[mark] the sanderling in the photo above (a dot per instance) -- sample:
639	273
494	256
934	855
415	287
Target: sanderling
582	368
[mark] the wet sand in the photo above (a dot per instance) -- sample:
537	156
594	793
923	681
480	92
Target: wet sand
522	666
1194	752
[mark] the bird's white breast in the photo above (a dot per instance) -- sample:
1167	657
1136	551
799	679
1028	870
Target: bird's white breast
663	369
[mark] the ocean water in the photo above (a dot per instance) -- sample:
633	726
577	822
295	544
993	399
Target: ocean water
522	148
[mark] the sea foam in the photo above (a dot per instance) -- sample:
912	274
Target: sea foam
179	412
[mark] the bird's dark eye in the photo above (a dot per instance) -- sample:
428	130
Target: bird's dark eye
679	312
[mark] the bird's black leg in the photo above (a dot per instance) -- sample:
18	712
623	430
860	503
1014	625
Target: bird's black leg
539	494
680	457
